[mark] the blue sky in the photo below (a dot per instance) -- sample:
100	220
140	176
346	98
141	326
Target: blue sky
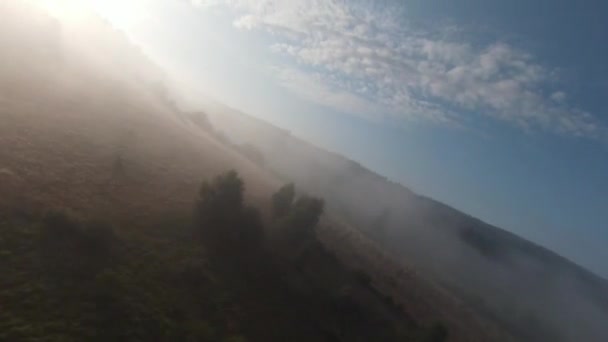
497	108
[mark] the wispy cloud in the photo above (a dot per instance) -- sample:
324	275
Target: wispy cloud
316	88
364	59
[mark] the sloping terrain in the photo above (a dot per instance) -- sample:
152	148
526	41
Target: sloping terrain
86	128
68	123
534	293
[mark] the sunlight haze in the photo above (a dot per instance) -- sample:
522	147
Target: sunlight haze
405	92
313	170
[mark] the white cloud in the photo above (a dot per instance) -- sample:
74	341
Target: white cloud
365	59
248	22
558	96
313	87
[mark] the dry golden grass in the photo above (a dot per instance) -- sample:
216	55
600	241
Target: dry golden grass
101	150
420	298
73	137
118	152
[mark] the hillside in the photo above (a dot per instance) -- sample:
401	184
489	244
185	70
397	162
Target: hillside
99	240
534	293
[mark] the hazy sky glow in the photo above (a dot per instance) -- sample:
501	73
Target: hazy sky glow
497	109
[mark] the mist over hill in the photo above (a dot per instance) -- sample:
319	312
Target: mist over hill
535	293
114	219
92	129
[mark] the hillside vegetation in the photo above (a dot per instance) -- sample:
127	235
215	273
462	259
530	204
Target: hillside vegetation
512	283
219	275
119	223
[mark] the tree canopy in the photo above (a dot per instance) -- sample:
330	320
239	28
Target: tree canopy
220	198
282	200
222	214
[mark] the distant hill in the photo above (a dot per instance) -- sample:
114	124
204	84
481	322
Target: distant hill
534	293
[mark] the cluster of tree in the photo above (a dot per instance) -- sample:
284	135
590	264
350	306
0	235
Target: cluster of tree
222	215
68	278
296	218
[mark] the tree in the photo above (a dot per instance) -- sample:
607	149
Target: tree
282	200
303	218
251	228
220	200
221	213
307	211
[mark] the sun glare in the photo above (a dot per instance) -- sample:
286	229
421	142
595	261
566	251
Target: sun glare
122	14
64	10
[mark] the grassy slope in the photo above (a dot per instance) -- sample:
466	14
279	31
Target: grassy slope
513	282
119	154
106	147
63	155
